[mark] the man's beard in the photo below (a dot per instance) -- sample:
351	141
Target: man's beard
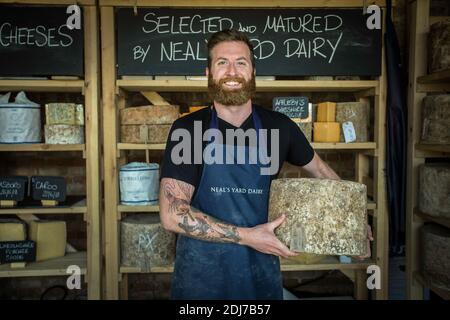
231	97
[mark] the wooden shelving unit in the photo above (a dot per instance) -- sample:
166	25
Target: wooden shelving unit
114	98
90	262
420	83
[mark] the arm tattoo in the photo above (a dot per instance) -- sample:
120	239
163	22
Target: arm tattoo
194	222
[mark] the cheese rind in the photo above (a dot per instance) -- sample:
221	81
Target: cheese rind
163	114
64	134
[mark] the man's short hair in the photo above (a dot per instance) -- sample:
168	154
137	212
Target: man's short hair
229	35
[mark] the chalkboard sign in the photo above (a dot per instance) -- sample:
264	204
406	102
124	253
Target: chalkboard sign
295	42
48	188
17	251
13	188
35	41
293	107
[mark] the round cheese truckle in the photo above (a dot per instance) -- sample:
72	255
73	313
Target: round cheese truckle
322	216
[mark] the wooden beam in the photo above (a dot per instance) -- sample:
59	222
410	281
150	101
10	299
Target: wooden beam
155	98
418	32
93	188
110	134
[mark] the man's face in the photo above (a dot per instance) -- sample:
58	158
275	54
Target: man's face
231	79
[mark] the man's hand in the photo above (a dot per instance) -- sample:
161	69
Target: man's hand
369	238
263	239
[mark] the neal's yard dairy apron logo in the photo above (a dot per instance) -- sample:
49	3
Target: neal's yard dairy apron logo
182	152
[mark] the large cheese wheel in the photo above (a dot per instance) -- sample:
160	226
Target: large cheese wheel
439	46
64	134
156	133
139	183
164	114
145	244
64	113
358	114
435	249
434	189
322	216
436	119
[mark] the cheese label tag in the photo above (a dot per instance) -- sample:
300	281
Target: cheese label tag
349	132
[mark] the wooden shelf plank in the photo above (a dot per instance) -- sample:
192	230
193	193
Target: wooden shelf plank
444	294
77	208
51	2
439	220
441	76
42	85
261	85
244	3
434	147
315	145
329	263
53	267
371	205
124	208
138	146
42	147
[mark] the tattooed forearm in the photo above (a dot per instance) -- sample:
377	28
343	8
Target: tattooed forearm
192	221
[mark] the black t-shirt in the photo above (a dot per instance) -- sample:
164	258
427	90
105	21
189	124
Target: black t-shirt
293	145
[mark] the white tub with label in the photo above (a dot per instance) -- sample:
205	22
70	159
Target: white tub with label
139	183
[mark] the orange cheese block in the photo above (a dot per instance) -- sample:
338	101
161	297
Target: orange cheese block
326	112
327	131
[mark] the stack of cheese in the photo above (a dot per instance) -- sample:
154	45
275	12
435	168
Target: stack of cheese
326	129
64	123
49	236
192	109
147	124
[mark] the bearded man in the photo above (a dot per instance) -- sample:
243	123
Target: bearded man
226	248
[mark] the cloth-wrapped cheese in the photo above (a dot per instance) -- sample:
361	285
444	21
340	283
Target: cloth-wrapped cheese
322	216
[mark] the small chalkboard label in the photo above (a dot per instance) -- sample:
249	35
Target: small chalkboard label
13	188
48	188
17	251
293	107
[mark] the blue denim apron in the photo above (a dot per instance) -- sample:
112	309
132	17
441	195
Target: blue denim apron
208	270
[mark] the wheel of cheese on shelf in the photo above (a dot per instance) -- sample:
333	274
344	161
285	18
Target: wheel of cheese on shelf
434	189
144	242
139	183
435	248
12	230
147	124
64	134
439	46
322	216
358	114
436	119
